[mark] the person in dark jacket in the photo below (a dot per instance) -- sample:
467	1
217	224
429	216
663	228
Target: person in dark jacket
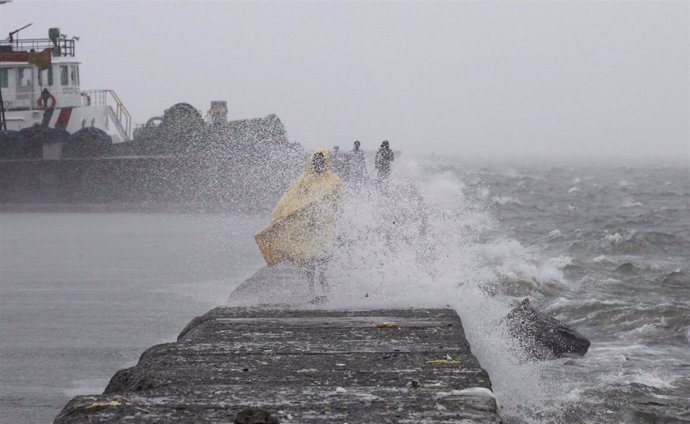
383	160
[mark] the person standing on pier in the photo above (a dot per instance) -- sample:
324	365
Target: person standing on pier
337	162
303	226
383	160
357	166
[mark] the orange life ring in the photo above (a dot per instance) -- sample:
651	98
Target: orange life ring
87	97
44	105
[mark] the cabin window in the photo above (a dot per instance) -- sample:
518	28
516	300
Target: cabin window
73	76
4	77
64	75
25	77
45	77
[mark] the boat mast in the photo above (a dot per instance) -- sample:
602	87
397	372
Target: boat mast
3	120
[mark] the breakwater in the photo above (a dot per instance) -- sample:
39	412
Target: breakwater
179	182
269	365
235	166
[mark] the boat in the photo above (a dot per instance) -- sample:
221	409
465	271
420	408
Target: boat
40	86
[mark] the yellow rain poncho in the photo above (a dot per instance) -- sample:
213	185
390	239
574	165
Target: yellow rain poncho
304	218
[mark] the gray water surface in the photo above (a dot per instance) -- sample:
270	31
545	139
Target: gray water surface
83	295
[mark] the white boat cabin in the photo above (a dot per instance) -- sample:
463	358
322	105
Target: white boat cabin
40	85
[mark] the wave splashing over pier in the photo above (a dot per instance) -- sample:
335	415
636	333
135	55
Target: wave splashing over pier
435	235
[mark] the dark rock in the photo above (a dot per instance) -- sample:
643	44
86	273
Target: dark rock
627	268
122	378
181	164
543	337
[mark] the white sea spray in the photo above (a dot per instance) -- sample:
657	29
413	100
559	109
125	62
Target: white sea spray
420	240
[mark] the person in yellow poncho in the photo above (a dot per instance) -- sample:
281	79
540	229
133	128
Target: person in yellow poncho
303	224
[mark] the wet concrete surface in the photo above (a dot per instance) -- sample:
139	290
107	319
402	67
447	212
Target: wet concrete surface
302	366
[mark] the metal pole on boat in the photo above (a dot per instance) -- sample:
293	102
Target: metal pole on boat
3	121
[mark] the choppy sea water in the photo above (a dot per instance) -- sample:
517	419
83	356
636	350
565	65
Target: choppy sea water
604	248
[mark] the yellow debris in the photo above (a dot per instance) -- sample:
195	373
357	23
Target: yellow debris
443	362
387	324
98	404
447	360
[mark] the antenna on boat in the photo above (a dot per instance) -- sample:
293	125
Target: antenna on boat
16	31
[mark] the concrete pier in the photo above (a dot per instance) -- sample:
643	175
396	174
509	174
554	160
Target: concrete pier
301	366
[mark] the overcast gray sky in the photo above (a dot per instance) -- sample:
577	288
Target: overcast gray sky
475	79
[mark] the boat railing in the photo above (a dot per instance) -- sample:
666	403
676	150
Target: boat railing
62	47
104	98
